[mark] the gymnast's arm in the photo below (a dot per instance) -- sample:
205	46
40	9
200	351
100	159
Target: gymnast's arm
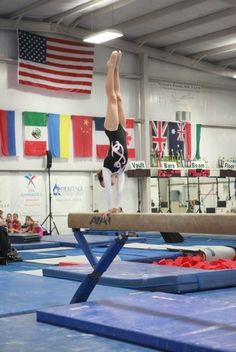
107	185
107	174
120	187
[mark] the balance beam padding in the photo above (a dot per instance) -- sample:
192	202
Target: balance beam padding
185	223
147	277
161	321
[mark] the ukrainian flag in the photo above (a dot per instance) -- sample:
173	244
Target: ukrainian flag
59	135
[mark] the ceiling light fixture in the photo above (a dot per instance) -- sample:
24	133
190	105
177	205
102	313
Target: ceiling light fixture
103	36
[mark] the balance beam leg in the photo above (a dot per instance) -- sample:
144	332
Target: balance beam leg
83	292
85	247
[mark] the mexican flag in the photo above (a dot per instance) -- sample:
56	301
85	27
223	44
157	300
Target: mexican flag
35	133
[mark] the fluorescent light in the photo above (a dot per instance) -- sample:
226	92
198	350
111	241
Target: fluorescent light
234	76
104	36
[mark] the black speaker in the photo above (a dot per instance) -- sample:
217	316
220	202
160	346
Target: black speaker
221	204
49	159
210	210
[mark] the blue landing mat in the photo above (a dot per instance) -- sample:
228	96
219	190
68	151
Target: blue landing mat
192	240
169	322
141	255
40	255
24	293
150	277
23	333
36	245
20	266
129	254
93	240
224	294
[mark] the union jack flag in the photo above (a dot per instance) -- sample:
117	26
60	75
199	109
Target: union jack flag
159	136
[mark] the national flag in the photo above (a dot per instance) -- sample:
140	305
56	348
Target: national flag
176	138
59	135
129	124
102	141
7	133
159	131
82	135
196	141
35	131
55	63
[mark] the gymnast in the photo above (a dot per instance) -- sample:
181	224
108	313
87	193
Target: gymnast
114	125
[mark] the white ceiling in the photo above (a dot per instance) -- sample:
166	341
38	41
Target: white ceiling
193	33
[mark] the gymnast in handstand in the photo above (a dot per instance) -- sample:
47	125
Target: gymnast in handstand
117	157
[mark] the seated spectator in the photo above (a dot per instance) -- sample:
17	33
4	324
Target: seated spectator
15	224
32	226
9	222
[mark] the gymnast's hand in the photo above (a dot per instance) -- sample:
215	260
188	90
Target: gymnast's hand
111	211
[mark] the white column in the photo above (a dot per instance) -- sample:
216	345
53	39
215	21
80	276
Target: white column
145	131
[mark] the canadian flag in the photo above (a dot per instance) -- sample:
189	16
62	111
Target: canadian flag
130	137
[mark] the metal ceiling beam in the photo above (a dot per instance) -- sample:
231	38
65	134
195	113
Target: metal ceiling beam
189	24
219	50
229	2
88	6
158	13
200	39
24	10
103	11
79	33
227	62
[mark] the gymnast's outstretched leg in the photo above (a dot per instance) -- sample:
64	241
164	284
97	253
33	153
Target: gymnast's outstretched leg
112	118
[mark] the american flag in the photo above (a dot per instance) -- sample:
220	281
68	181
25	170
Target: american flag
159	136
55	64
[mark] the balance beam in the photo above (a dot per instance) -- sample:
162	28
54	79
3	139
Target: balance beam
184	223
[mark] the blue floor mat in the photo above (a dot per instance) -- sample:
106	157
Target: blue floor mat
157	320
142	276
93	240
25	293
36	245
129	254
192	240
223	294
40	255
24	334
21	266
141	255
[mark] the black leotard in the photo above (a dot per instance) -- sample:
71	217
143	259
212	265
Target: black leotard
117	156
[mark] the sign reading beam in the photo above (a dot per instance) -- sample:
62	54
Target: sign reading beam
184	223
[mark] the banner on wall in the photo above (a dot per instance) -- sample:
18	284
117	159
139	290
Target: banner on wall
31	197
26	198
168	99
69	194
